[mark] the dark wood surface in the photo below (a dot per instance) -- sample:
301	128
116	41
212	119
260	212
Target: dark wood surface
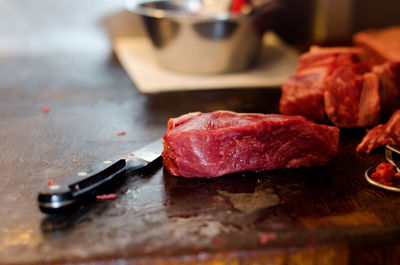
56	54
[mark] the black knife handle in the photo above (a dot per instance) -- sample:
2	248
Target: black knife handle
59	196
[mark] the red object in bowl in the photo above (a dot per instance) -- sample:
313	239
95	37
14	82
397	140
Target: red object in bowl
236	6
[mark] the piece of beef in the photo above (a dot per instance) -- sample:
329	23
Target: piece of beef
351	96
321	69
331	57
384	44
348	86
388	133
222	142
389	87
303	94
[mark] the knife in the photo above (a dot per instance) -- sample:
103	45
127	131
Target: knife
59	197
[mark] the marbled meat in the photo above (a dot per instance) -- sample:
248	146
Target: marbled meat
333	84
223	142
382	134
348	86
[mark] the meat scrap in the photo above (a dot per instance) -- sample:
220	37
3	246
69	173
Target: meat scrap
382	134
348	86
110	196
385	174
223	142
46	109
265	238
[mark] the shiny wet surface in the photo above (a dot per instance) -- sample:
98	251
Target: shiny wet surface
330	212
155	214
159	214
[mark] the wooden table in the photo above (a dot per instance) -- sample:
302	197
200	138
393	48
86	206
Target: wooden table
55	54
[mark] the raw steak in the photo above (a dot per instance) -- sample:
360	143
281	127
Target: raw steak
330	83
351	96
331	57
222	142
348	86
388	133
389	87
303	94
383	43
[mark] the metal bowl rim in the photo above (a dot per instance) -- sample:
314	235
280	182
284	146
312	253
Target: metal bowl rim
135	6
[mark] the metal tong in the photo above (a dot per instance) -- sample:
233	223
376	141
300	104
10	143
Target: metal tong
389	150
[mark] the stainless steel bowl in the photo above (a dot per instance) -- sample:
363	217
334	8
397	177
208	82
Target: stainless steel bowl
193	37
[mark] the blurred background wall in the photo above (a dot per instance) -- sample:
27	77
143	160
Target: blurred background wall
332	21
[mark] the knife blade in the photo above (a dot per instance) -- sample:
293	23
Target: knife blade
59	197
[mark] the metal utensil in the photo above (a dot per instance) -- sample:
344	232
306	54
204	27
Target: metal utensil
389	150
195	37
61	196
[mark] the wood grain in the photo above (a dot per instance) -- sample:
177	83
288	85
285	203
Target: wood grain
326	215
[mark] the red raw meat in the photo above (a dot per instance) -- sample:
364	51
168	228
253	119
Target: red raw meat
389	86
383	43
46	109
303	94
110	196
348	86
385	174
388	133
331	57
330	83
223	142
351	96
